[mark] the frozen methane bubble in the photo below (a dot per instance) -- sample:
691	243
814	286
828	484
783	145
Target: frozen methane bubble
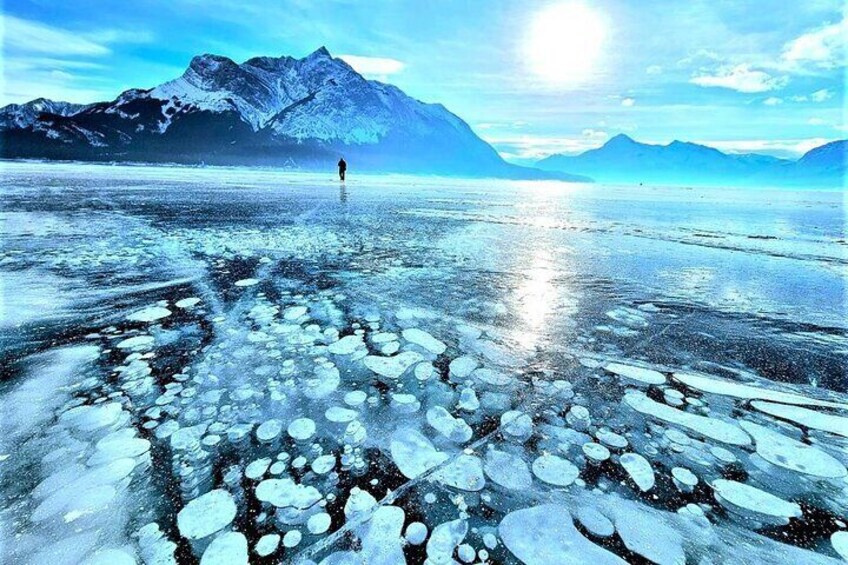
555	470
355	398
267	545
228	548
507	470
718	430
324	464
392	367
749	501
545	535
517	425
465	473
455	429
792	454
637	375
207	514
359	504
269	430
808	418
258	468
187	303
301	429
137	343
466	553
339	415
468	400
292	538
285	493
416	533
346	345
491	377
643	533
318	523
639	470
611	439
716	385
596	523
839	541
578	418
425	340
596	452
444	540
294	312
684	479
413	453
462	367
149	314
247	282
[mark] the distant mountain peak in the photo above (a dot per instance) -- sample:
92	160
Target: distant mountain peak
620	138
321	52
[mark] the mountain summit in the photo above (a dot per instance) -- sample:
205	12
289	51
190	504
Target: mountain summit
267	110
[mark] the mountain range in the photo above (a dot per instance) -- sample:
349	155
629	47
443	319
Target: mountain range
624	160
281	111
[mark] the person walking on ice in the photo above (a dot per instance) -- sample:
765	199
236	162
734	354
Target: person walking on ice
342	169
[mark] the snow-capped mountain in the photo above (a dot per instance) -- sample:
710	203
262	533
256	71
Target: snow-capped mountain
267	110
624	160
24	115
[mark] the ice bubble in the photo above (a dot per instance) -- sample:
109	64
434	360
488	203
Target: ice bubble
229	548
187	303
596	452
555	470
149	314
390	348
808	418
611	439
490	540
340	415
644	534
455	429
294	312
578	418
137	343
355	398
186	439
716	385
722	454
491	377
346	345
517	425
324	380
383	337
267	544
596	523
269	430
468	400
301	429
416	533
89	418
462	367
318	523
206	514
247	282
358	504
639	470
256	469
424	371
839	541
444	540
751	501
684	479
507	470
545	535
708	427
792	454
413	453
405	403
392	367
285	493
464	473
466	553
323	464
118	445
638	375
425	340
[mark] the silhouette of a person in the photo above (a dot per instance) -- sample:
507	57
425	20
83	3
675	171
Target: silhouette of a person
342	168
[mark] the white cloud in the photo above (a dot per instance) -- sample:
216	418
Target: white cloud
595	134
654	70
741	78
773	101
373	67
821	95
33	37
823	47
816	122
532	148
788	148
628	102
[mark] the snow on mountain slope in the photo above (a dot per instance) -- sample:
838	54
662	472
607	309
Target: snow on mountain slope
23	115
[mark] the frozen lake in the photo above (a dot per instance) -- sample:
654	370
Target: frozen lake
252	364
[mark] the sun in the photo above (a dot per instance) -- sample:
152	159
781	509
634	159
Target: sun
564	42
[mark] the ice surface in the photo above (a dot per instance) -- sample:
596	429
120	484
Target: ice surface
405	369
545	535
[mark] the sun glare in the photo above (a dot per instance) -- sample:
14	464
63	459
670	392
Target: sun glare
564	42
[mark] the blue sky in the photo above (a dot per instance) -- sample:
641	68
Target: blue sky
762	76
